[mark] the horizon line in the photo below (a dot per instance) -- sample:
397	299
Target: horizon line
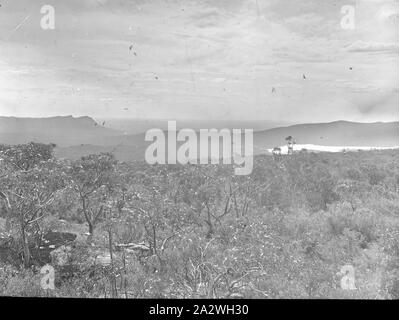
199	120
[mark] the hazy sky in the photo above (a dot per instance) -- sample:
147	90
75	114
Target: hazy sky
217	59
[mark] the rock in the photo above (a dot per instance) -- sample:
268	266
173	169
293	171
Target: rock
134	246
103	259
61	256
51	242
58	238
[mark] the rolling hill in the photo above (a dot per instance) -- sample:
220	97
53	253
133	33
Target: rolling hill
75	137
338	133
63	131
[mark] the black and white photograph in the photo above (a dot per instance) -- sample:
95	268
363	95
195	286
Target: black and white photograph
224	150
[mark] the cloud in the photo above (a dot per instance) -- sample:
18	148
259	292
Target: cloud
191	58
363	46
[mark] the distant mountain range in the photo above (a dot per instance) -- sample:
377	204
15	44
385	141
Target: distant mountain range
63	131
338	133
75	137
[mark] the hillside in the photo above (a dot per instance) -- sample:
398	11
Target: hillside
339	133
294	228
63	131
83	135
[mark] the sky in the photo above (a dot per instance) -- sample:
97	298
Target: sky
272	60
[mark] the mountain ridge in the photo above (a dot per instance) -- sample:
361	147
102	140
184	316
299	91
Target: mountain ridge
337	133
61	130
75	136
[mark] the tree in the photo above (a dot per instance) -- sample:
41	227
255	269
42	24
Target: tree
290	144
93	178
212	194
276	151
26	156
154	203
29	182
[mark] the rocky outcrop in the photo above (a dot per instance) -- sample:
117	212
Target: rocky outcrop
52	241
41	249
61	256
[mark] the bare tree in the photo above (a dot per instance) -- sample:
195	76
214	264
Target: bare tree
92	178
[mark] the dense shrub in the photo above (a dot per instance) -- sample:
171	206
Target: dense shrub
285	231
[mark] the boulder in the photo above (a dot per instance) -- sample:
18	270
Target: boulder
103	259
61	256
57	239
51	242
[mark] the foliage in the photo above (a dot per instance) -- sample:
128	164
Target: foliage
198	231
